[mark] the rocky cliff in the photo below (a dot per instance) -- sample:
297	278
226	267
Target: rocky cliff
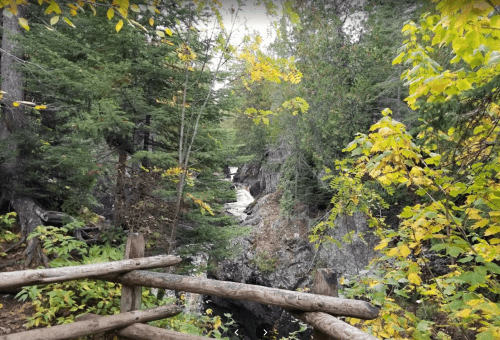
278	254
263	177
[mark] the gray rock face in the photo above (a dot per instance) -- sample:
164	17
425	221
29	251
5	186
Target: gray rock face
356	252
263	178
278	254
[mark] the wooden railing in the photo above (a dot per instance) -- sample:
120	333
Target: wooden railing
317	310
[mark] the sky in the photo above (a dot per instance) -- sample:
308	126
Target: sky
254	17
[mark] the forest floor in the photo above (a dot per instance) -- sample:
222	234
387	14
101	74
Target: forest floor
13	313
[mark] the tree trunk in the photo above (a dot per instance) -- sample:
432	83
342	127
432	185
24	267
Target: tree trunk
14	118
12	81
30	217
120	194
147	141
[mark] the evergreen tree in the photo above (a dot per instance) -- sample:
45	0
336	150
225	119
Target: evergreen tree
111	94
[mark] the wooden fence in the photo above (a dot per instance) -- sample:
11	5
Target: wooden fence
318	309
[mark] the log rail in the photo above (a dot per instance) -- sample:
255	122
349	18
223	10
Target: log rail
314	309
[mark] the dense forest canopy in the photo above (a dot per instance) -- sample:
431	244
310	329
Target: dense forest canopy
113	118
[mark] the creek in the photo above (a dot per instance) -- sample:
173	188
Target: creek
243	198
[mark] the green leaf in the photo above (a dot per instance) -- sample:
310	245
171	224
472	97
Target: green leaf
492	267
486	335
425	325
466	259
473	278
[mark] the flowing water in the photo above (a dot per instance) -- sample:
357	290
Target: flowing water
243	199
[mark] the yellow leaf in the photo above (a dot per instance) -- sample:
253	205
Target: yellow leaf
73	12
475	302
354	321
392	252
16	104
151	21
385	131
495	229
382	244
463	313
123	12
110	13
135	8
209	311
1	306
119	25
135	23
414	278
168	31
404	251
93	9
24	23
217	323
69	22
11	12
54	20
160	34
53	7
481	223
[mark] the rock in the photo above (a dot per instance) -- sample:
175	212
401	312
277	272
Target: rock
356	252
278	254
263	177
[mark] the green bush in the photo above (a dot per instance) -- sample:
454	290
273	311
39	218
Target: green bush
265	262
60	303
6	222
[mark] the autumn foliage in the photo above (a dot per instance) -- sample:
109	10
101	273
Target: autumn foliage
450	168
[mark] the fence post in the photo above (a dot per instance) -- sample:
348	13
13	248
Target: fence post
131	295
325	283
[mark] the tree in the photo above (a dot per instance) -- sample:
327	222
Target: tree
14	120
97	85
450	169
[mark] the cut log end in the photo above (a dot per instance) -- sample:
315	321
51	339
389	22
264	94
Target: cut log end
371	310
